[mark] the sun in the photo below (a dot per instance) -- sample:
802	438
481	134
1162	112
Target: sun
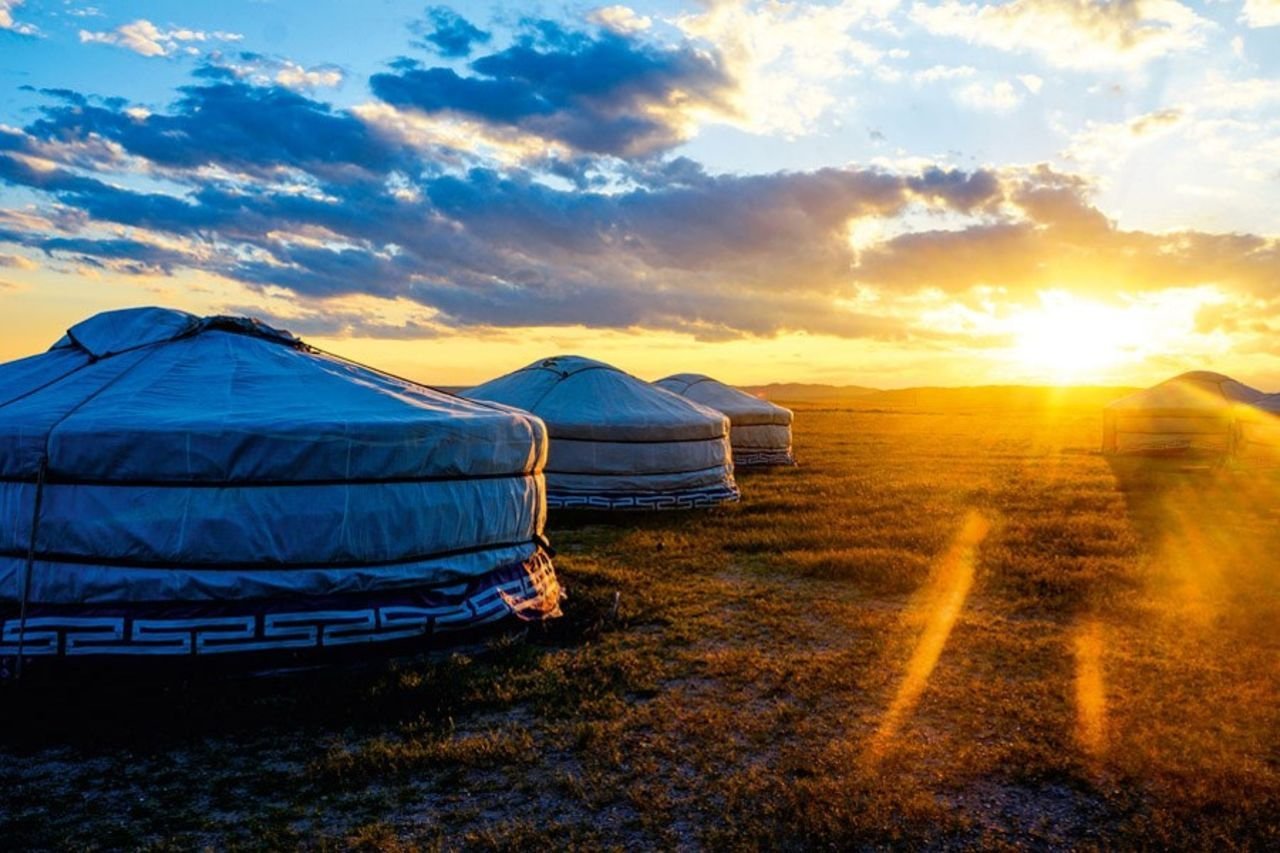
1067	337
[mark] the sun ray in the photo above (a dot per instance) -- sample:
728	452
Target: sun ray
939	606
1090	691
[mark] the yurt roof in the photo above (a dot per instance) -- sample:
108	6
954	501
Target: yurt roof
155	394
1196	390
587	399
741	407
1268	403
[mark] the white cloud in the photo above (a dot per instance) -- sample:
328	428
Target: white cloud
1221	93
1110	142
620	19
146	39
1033	82
943	72
294	76
8	23
264	70
786	56
1261	13
999	97
1071	33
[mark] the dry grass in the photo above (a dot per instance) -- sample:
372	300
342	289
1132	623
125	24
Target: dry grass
947	628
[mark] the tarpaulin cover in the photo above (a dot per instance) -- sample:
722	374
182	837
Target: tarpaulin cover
760	431
618	442
197	469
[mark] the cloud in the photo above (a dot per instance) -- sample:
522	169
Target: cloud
264	70
8	23
999	97
604	94
1261	13
716	255
620	19
785	56
246	181
1033	82
16	262
448	33
934	73
1060	241
1153	121
232	124
1221	93
146	39
1111	142
1082	34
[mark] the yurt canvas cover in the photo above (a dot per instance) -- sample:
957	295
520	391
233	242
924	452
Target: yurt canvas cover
171	485
1193	412
760	431
618	442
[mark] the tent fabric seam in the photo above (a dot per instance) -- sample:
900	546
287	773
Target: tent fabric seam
181	565
72	480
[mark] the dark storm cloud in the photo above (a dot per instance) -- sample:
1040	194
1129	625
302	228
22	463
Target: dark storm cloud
448	33
603	93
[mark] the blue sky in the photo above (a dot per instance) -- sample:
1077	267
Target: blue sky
886	193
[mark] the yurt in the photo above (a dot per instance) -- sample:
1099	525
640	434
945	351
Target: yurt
759	431
618	442
172	485
1196	412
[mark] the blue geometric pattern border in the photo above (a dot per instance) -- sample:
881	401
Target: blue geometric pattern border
527	590
761	458
693	499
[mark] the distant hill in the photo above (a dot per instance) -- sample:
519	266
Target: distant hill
977	397
801	392
1006	397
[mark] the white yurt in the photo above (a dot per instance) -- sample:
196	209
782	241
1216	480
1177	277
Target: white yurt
760	431
618	442
1195	412
179	486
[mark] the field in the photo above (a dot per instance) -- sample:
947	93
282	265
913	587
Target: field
950	627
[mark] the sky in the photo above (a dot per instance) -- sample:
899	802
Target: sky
878	193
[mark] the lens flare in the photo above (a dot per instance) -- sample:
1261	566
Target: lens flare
1090	693
939	606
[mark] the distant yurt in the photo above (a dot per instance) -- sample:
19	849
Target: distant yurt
618	442
760	431
172	485
1195	413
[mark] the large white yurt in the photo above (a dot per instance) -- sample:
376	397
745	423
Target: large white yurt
1195	412
760	431
172	485
618	442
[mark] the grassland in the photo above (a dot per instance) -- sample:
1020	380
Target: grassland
949	627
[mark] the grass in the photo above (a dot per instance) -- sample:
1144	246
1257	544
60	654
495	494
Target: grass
955	628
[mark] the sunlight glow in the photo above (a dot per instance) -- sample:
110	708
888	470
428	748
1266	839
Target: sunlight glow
939	605
1090	694
1070	338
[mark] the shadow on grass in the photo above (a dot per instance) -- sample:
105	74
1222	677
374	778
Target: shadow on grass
148	706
